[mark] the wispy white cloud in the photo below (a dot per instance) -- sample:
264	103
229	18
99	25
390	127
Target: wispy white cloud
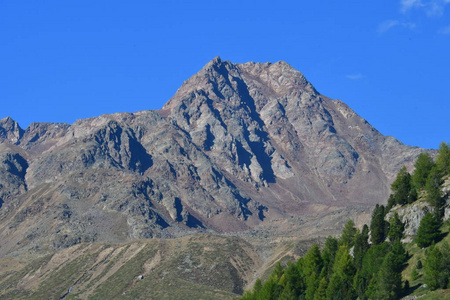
386	25
445	30
389	24
407	5
435	9
432	8
355	76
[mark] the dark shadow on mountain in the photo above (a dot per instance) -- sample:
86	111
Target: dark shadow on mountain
189	220
140	160
409	290
238	283
160	221
263	158
178	208
193	222
441	237
243	205
17	165
209	140
261	210
243	156
257	147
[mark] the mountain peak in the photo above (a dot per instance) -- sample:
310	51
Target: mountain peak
220	79
10	130
215	65
7	120
216	60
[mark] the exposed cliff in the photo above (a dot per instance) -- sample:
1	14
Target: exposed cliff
237	147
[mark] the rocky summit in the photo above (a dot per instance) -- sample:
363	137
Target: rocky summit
238	148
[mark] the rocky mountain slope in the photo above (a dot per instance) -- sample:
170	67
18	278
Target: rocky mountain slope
239	147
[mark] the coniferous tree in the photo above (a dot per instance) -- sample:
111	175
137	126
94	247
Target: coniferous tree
321	292
378	226
401	188
433	192
400	256
428	231
360	285
248	296
371	264
423	167
294	280
361	246
271	289
252	295
443	159
258	286
391	202
396	228
336	289
413	195
433	268
329	254
387	283
437	267
445	249
348	234
341	283
312	266
312	262
287	294
278	270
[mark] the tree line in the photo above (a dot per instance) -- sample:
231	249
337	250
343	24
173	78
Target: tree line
368	263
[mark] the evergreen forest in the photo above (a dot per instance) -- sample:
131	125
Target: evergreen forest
374	262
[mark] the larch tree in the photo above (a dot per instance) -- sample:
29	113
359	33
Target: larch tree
348	234
443	159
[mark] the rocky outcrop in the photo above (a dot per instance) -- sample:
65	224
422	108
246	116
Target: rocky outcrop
10	131
412	214
13	167
238	146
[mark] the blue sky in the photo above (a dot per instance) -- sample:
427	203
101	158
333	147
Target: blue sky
66	60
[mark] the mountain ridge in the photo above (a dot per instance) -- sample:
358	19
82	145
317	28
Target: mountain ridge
237	147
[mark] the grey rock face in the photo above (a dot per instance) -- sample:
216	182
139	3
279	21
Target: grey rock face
10	131
412	214
238	145
12	174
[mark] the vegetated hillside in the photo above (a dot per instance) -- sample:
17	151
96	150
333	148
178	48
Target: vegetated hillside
196	267
405	252
239	148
